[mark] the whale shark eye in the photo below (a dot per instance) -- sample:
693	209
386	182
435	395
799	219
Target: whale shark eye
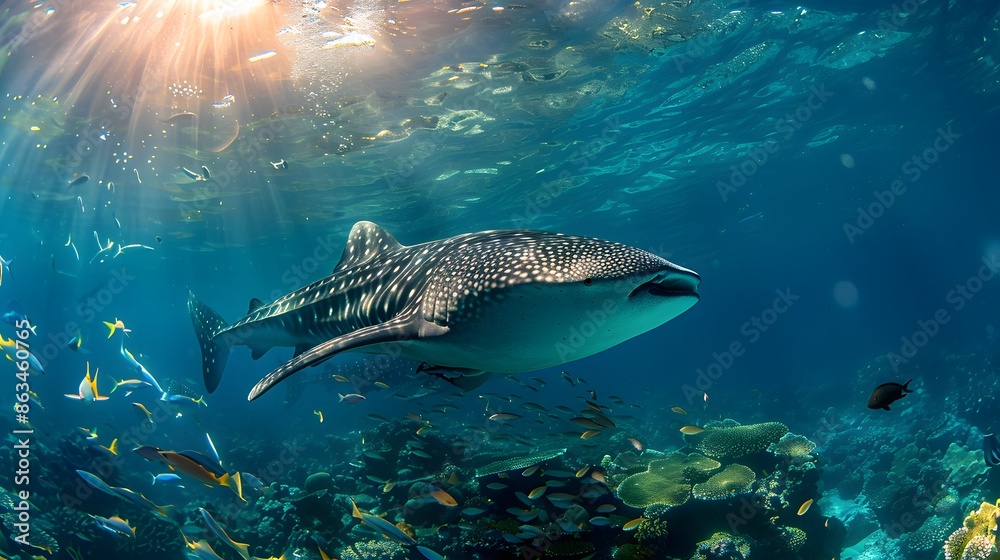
587	281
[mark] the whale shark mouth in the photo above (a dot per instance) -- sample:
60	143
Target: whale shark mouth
670	284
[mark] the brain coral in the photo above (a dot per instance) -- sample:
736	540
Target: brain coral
666	481
738	441
734	479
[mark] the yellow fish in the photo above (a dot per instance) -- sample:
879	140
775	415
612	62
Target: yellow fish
633	524
118	324
320	414
678	410
805	506
691	430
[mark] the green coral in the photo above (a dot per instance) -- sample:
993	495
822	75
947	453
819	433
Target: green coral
928	536
632	552
976	538
666	481
966	467
517	462
738	441
792	445
792	538
734	479
651	531
723	546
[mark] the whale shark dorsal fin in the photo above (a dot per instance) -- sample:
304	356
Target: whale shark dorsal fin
365	241
255	304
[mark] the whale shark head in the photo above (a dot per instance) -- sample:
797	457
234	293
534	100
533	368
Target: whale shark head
522	300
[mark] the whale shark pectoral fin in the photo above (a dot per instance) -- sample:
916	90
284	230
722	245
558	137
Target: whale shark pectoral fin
401	328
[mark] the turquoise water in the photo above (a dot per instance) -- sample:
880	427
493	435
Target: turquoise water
827	170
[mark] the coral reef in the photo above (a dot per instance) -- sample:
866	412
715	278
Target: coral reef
792	445
976	538
734	479
666	481
735	442
723	546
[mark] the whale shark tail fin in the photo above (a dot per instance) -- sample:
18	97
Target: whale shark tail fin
214	349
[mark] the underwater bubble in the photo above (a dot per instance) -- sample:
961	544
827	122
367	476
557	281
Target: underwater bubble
845	293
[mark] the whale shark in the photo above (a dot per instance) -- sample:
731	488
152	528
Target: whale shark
503	301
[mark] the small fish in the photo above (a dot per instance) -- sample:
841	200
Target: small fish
113	448
341	378
351	398
241	548
116	526
79	180
280	164
678	410
4	267
529	471
130	384
991	449
76	344
633	524
600	521
88	389
581	472
320	414
691	430
537	492
496	486
888	393
165	478
158	239
805	506
501	416
635	443
443	498
205	173
826	522
382	385
118	324
473	511
143	413
589	434
606	508
192	174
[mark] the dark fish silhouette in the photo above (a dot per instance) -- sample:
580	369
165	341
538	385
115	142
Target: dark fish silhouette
991	449
888	393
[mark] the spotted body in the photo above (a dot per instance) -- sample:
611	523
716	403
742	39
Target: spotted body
501	301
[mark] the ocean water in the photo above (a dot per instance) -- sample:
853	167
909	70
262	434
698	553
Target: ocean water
828	169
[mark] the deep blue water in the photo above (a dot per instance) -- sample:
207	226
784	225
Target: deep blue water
754	144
